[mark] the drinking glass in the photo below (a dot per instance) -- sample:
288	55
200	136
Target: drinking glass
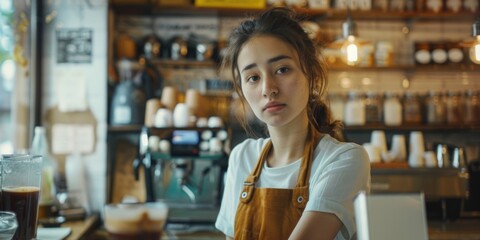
20	185
8	225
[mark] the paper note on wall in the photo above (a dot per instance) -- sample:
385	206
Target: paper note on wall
72	138
71	90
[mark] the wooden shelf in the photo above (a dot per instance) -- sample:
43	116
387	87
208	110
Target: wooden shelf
331	14
416	68
422	127
125	129
185	63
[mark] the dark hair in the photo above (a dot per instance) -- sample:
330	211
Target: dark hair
284	24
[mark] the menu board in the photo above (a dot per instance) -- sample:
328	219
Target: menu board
74	45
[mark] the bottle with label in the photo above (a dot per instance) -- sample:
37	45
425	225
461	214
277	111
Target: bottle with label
392	110
412	108
472	107
355	109
337	105
435	108
49	172
454	108
373	108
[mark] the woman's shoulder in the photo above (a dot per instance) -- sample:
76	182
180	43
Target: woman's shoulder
248	148
250	145
334	149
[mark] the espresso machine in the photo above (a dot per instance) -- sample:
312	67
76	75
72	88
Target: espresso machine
184	167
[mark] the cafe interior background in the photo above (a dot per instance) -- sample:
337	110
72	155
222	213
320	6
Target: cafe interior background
86	69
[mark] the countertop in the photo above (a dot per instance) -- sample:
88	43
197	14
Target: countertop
80	229
462	229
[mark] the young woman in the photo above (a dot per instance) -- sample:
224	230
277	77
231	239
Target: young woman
300	182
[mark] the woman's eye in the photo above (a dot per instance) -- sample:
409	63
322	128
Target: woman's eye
252	79
282	70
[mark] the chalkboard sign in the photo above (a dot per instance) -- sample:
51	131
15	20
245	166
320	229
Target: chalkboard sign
74	45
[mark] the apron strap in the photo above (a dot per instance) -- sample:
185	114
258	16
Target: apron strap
301	191
249	183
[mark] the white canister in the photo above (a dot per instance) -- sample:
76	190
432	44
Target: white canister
355	109
181	115
163	118
392	110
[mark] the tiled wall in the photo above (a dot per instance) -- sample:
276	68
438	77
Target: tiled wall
74	15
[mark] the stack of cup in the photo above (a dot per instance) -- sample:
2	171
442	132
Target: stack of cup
169	97
417	149
378	140
151	110
399	148
373	152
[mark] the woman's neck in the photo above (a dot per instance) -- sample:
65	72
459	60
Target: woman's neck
288	143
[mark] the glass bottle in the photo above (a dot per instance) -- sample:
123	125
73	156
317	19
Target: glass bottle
392	110
472	107
454	108
49	172
435	108
337	105
373	108
412	108
355	109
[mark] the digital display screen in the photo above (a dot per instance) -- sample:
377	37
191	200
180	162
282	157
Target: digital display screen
185	137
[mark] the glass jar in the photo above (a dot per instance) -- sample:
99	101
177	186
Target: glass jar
422	53
454	108
373	108
412	108
439	53
392	110
337	105
435	108
472	107
355	109
455	52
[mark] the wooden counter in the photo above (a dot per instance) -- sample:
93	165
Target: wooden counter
462	229
83	229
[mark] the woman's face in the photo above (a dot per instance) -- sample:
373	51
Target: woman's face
272	81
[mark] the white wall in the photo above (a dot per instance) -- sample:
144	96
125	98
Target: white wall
73	14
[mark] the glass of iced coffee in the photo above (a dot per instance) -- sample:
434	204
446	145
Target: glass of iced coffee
20	190
129	221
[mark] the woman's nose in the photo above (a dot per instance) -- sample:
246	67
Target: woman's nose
270	88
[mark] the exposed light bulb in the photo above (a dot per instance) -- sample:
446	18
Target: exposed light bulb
475	48
350	51
475	51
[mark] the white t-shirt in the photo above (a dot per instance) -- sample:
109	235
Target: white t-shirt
339	171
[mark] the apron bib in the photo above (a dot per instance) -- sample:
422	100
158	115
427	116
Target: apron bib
271	213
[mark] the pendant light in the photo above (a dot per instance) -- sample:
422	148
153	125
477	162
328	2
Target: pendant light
350	43
474	44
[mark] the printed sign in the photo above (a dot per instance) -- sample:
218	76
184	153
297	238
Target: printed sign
74	45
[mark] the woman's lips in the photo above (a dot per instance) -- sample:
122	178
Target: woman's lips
273	107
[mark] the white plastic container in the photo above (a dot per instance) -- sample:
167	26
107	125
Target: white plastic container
355	109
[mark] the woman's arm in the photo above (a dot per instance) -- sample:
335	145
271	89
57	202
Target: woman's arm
228	238
316	225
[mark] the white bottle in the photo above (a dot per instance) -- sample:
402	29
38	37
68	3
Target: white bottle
355	110
49	168
76	177
392	109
